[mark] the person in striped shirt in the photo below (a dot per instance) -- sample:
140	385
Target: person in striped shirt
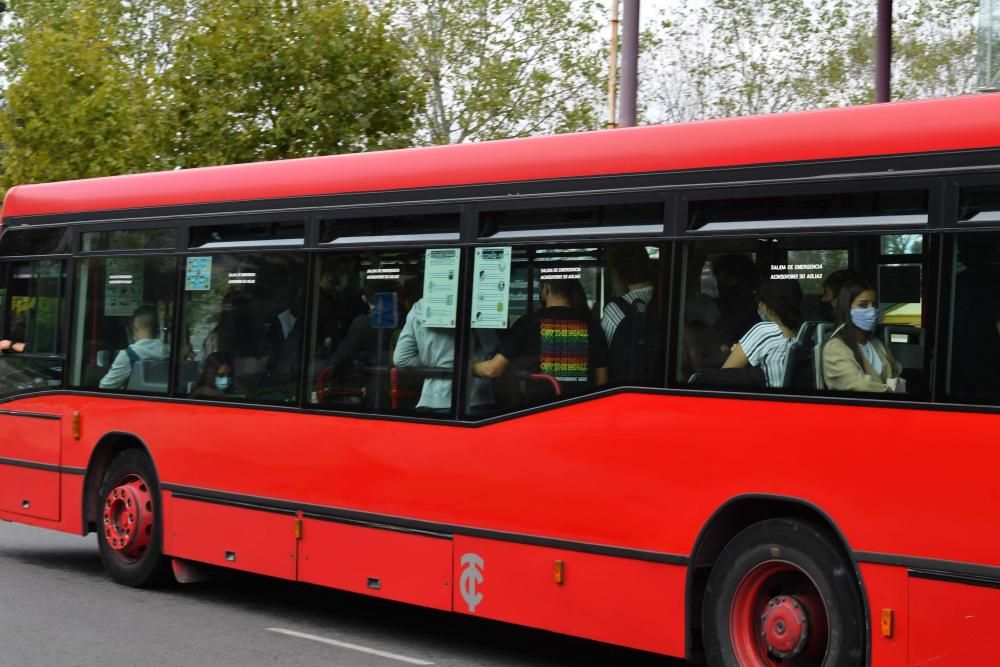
765	345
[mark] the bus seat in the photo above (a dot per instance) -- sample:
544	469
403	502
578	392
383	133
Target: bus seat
798	370
906	343
823	332
150	375
190	372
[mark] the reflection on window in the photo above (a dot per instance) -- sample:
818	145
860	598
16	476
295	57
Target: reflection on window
121	335
129	239
242	326
384	337
980	204
902	244
32	304
974	365
799	319
21	241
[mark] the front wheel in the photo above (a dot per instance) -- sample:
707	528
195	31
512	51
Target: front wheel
781	594
130	522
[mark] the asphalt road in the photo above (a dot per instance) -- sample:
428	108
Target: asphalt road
57	607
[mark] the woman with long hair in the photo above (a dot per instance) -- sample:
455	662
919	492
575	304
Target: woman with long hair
765	344
854	359
217	379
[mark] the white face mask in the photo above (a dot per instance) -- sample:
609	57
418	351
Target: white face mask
222	383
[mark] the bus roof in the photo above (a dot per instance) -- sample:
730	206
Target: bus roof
958	123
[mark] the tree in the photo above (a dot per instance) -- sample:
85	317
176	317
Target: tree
496	69
718	58
288	78
73	108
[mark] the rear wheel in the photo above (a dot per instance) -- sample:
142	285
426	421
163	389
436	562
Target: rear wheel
130	522
781	594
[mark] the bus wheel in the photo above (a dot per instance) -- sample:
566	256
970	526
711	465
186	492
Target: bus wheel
782	595
130	533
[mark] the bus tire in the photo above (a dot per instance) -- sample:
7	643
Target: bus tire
782	593
130	522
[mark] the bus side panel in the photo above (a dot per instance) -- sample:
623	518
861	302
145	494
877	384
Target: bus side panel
374	561
888	589
634	603
28	440
952	623
243	539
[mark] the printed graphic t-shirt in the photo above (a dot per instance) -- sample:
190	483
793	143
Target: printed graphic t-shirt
559	342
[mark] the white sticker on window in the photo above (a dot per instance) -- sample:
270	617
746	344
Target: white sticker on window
491	288
441	287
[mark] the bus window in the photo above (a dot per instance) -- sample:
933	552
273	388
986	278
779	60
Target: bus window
974	363
31	312
242	327
384	331
775	305
549	323
121	336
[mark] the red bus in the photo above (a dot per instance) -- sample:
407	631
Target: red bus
722	390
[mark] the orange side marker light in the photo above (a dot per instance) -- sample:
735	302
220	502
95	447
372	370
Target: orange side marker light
76	430
887	622
559	572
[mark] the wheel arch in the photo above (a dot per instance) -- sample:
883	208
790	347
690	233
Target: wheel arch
730	518
108	447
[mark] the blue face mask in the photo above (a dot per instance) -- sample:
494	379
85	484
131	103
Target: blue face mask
222	383
865	318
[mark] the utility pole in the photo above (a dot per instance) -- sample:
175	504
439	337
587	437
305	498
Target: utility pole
613	69
630	64
883	51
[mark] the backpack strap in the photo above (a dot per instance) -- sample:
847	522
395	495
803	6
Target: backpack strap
133	357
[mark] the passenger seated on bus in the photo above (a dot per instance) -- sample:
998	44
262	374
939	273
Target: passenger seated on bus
434	347
144	329
217	379
832	285
854	359
7	346
632	316
765	345
737	279
562	340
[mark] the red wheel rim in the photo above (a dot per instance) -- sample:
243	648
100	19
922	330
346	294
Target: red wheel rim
778	618
128	518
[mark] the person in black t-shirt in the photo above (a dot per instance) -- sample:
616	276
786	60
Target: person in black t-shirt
563	340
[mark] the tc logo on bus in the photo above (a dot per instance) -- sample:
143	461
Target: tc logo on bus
472	576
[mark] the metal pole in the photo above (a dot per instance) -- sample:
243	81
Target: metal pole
883	51
613	68
630	63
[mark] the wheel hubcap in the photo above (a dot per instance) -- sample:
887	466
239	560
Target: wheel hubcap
128	518
778	618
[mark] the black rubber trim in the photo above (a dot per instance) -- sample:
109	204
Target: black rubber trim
29	415
389	522
950	577
941	567
180	495
34	465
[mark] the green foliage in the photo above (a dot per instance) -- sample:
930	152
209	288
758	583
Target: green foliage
288	78
496	69
99	87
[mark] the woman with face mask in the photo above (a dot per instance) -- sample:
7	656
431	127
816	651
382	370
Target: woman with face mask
216	378
854	359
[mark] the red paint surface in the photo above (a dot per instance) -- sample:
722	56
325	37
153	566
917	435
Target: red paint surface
888	588
409	568
907	127
621	601
262	542
953	625
37	441
638	471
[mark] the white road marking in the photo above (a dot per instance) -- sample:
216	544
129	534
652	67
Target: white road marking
353	647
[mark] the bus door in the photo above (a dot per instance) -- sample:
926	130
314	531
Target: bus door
31	312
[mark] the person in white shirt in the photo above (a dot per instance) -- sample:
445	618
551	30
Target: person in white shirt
146	347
